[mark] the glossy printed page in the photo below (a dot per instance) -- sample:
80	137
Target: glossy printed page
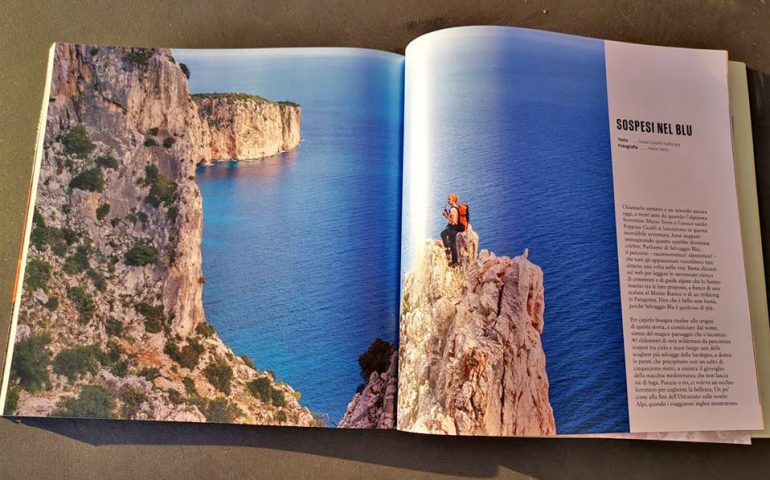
515	319
214	238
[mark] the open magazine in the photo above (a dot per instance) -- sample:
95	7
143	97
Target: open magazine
503	232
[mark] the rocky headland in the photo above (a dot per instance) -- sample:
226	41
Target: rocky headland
247	126
471	360
375	405
111	319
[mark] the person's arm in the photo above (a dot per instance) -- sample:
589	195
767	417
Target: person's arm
453	216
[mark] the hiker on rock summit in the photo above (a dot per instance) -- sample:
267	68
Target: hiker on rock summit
457	220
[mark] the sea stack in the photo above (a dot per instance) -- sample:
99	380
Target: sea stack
471	360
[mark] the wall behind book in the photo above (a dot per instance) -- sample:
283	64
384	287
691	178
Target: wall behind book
92	448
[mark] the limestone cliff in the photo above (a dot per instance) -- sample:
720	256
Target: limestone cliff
374	406
247	126
471	360
111	319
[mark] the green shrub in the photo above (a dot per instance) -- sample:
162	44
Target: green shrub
84	303
185	69
204	329
153	131
151	172
174	396
12	399
190	354
58	238
140	255
94	51
30	362
154	318
74	362
132	399
90	180
114	327
169	142
150	373
114	360
247	361
52	304
150	142
376	358
39	237
76	142
102	211
320	420
172	213
59	249
277	398
220	410
100	283
139	56
162	190
262	388
77	262
189	386
232	96
107	161
38	274
37	218
172	350
280	416
67	235
94	402
219	375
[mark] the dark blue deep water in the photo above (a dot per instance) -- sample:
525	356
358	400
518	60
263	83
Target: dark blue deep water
300	250
523	137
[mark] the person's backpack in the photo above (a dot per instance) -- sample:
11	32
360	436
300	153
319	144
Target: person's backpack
463	215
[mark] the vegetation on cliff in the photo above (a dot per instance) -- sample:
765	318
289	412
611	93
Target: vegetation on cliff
111	321
374	403
232	96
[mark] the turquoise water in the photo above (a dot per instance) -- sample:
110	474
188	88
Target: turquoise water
524	139
300	250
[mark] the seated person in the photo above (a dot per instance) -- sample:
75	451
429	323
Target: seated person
454	226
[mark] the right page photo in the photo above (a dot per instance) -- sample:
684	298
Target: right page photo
571	250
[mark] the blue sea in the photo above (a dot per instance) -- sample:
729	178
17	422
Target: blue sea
300	250
521	134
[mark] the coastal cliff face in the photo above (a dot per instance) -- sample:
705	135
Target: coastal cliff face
111	319
471	360
247	126
374	406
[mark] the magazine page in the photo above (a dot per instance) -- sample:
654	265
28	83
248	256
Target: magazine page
748	203
752	248
571	258
213	238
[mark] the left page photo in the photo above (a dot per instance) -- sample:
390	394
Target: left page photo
213	236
